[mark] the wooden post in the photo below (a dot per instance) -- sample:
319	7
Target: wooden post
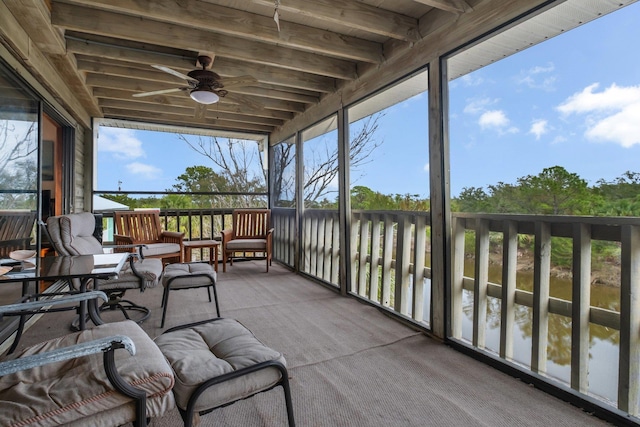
580	307
629	369
420	244
480	283
457	279
541	269
509	266
375	258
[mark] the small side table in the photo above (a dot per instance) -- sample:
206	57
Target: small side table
198	244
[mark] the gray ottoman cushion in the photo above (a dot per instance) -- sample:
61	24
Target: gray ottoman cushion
181	276
206	351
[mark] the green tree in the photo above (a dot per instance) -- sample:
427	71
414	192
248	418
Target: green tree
473	199
239	168
554	191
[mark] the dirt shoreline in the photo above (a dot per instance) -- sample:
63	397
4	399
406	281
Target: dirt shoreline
608	274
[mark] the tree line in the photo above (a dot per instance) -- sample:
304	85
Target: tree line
555	191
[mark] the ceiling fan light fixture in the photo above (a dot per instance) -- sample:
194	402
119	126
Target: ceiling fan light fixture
204	96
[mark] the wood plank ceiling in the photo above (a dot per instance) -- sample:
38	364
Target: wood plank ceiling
104	51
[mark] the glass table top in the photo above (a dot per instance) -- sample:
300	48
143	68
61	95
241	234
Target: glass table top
63	267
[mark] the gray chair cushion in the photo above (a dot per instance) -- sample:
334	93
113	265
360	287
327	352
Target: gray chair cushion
246	244
155	249
74	233
77	391
180	276
209	350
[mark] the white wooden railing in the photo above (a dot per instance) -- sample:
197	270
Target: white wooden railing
386	247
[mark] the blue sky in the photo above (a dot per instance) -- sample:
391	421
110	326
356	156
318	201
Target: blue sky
572	101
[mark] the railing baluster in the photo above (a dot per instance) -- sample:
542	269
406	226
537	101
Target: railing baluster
418	267
387	255
541	270
580	307
306	244
481	279
457	276
313	244
355	251
363	251
322	253
629	369
403	253
375	258
335	248
508	296
327	247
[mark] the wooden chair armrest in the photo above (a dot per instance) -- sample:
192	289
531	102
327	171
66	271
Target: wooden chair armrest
226	235
172	237
126	243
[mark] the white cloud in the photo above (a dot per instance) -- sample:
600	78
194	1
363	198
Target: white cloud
426	167
493	119
610	115
477	106
497	120
538	78
539	128
612	98
622	128
471	80
146	171
559	140
123	143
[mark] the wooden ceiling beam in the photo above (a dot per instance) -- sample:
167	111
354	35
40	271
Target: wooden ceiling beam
235	22
180	120
175	99
352	14
162	101
35	16
453	6
224	67
212	111
128	27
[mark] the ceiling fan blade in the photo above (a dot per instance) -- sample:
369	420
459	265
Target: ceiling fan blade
175	73
157	92
239	81
201	111
244	100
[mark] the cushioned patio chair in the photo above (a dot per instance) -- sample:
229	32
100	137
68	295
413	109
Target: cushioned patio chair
143	227
250	235
80	379
73	235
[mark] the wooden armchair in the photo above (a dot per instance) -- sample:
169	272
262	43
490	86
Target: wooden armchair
143	227
16	228
251	233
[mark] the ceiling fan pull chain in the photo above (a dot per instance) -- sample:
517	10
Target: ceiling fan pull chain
276	16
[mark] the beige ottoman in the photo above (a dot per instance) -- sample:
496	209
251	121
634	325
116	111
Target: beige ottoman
218	362
188	276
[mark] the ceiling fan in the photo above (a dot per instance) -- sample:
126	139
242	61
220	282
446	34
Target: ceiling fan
203	85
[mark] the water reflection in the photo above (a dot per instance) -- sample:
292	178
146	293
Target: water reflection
603	342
